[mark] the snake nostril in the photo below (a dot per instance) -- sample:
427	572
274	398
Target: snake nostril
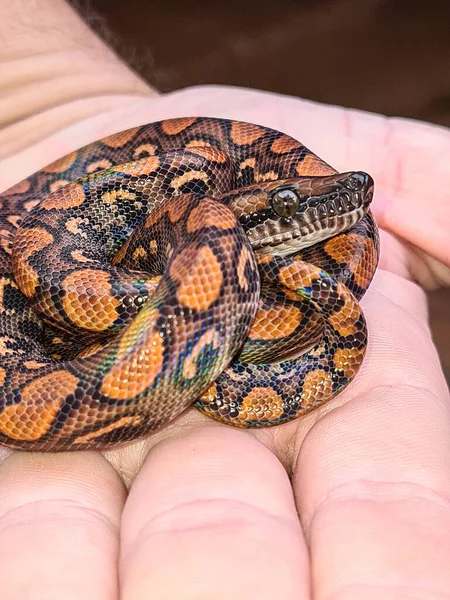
358	181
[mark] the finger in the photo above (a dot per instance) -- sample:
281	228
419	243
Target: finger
373	477
59	522
211	515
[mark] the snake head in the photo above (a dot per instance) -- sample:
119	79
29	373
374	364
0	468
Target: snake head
285	216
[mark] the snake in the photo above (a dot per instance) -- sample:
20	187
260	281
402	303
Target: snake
191	261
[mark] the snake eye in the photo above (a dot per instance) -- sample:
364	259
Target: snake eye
285	202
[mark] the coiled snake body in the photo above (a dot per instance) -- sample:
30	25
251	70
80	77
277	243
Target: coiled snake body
190	260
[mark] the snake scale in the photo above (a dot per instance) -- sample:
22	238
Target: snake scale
192	260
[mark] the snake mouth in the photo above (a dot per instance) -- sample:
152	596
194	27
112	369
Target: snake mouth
307	234
332	206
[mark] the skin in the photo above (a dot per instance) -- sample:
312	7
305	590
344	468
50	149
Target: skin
353	500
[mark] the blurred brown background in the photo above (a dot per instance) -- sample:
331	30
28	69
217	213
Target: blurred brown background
317	49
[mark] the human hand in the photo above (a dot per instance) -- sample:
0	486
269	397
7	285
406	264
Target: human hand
348	500
351	501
